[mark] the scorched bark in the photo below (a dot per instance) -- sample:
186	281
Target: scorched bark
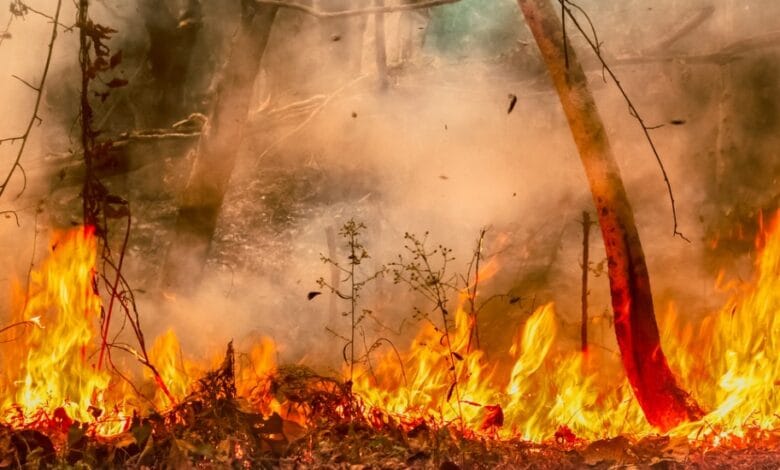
664	403
217	151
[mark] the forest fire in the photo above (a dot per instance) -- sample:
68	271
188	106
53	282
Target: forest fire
728	360
253	274
535	392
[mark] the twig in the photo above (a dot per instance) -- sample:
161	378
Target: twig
311	116
471	289
25	82
5	33
20	323
335	278
39	95
107	320
32	261
357	12
398	356
28	8
586	223
13	213
594	45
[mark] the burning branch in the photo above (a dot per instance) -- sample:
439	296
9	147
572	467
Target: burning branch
664	403
99	206
34	321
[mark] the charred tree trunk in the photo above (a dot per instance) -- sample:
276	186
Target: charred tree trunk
381	46
664	403
217	151
171	42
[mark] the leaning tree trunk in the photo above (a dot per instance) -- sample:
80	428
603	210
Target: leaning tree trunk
217	151
655	387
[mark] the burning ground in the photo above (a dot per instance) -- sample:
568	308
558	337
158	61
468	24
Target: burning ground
393	269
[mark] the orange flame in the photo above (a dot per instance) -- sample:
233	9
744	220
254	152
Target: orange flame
539	389
49	377
730	362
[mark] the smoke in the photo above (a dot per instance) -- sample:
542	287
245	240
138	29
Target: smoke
437	152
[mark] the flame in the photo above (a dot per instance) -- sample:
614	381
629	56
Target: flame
541	388
730	361
49	376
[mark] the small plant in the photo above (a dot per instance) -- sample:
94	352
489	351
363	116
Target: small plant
351	232
471	290
424	270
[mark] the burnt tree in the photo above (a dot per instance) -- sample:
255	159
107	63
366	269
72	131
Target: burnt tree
664	403
217	151
171	42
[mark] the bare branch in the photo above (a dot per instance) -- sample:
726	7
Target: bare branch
11	139
28	9
39	95
25	82
10	213
357	12
595	46
6	32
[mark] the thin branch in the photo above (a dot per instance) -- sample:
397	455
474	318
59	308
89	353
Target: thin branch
471	289
586	223
28	8
356	12
9	213
6	33
11	139
311	116
26	82
30	267
114	286
595	46
33	322
39	95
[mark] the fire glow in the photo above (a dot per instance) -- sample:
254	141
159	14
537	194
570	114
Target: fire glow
536	391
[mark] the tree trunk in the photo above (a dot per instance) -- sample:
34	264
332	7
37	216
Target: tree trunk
380	45
655	387
217	151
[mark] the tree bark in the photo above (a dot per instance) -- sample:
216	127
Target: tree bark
171	43
380	45
217	151
664	403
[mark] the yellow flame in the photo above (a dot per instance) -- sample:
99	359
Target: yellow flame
51	369
729	361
